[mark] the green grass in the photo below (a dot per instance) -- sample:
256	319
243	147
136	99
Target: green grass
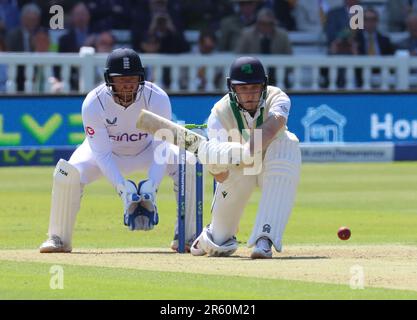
32	280
377	201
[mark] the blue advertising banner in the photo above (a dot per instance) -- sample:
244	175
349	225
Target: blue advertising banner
376	117
33	156
325	117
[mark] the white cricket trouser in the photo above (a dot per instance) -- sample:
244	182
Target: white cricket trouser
278	181
83	160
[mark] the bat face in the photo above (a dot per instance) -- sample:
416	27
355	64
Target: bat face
164	129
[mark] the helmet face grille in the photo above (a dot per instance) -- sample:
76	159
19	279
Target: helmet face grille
123	63
247	70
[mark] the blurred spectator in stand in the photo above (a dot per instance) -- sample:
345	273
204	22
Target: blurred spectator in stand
231	26
205	14
395	13
77	36
104	43
310	15
340	39
371	42
169	38
265	37
343	44
163	37
20	39
207	44
9	16
337	21
40	42
410	43
45	6
109	14
143	14
284	12
3	67
79	33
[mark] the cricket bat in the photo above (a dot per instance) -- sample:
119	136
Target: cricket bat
164	129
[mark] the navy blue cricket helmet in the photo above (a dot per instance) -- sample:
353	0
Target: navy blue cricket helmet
246	70
123	62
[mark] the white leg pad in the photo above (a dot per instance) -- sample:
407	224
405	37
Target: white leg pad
65	203
280	179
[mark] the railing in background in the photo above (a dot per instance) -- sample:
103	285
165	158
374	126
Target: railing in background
190	73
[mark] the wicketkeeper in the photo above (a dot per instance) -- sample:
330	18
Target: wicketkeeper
276	162
115	147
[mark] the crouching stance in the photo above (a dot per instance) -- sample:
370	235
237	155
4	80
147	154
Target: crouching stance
115	147
272	151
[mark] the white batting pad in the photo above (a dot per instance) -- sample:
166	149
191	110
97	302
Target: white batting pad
65	203
280	178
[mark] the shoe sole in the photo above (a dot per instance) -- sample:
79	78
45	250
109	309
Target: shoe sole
260	255
54	250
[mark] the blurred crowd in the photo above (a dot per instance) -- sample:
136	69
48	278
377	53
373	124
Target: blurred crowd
239	26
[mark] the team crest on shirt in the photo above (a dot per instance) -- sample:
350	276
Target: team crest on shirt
111	122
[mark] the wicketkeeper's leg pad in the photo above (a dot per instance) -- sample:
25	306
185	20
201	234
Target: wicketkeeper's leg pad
65	201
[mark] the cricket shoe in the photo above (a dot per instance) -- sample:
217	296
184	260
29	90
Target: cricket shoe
53	245
195	248
262	249
174	244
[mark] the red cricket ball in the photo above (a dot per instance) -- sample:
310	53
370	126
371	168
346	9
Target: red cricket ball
343	233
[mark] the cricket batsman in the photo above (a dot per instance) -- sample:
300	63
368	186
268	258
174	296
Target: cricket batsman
113	148
250	104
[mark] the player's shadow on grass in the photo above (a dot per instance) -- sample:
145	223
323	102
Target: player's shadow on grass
285	258
123	252
301	258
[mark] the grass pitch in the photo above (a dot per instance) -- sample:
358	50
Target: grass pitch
377	201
